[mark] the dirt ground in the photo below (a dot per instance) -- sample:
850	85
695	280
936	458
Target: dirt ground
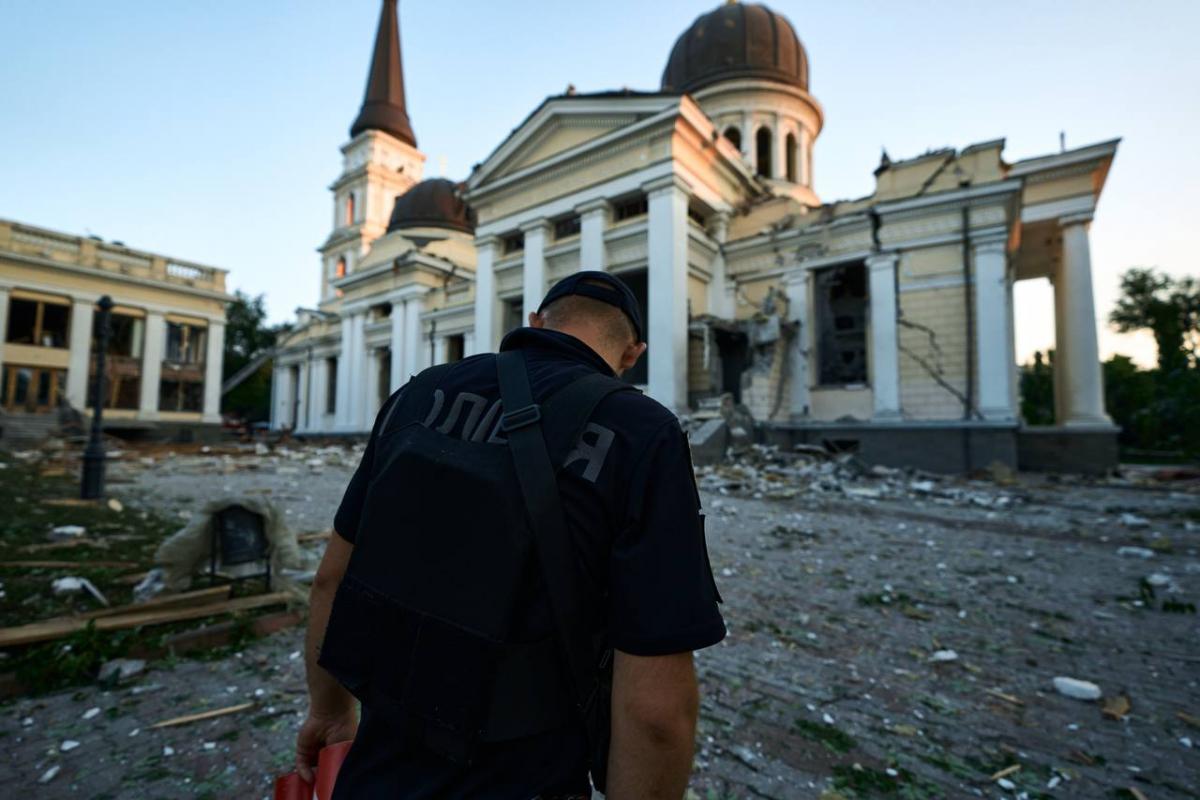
890	635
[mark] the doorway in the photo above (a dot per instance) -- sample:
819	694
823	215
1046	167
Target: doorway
32	389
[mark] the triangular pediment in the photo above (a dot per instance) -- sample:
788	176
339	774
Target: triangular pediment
563	124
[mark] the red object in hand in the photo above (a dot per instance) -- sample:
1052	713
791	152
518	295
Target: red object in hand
329	762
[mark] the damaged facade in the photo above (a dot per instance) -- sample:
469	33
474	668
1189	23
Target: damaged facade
883	325
167	332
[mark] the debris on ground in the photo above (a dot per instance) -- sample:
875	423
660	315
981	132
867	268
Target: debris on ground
1077	689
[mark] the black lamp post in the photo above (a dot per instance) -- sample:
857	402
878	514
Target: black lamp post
93	457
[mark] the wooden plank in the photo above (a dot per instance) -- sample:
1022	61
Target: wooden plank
213	594
58	628
69	564
203	715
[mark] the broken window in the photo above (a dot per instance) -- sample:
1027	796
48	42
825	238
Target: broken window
124	362
513	243
840	296
331	369
455	348
32	389
636	281
38	322
181	392
734	136
762	152
185	343
567	226
630	207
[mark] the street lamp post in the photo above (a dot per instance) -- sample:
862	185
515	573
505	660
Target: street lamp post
93	456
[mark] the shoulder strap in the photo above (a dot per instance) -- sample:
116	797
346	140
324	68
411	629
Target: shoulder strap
521	422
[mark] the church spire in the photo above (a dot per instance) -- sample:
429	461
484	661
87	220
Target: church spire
383	106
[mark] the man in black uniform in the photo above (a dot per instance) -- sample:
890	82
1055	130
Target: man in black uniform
633	519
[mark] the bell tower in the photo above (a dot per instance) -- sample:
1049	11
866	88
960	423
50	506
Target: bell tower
380	161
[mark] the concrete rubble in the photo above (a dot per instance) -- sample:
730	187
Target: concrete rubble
892	633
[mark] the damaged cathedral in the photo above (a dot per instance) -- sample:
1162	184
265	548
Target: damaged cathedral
882	325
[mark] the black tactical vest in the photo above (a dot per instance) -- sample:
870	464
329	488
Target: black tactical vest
426	627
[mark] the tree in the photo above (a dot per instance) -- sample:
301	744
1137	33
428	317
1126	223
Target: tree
1168	307
247	336
1037	390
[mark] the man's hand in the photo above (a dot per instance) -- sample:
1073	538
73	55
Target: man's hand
318	732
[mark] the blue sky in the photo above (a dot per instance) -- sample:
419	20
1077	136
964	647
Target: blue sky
209	129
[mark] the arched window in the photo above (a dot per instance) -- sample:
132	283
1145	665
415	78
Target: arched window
790	155
350	209
734	136
762	146
340	270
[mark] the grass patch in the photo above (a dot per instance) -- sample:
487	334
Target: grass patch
833	739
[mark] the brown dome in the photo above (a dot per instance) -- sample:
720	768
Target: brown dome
736	41
433	203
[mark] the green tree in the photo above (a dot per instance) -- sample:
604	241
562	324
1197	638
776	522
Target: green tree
247	336
1167	307
1037	390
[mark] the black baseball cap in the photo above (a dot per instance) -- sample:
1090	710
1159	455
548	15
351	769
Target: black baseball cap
599	286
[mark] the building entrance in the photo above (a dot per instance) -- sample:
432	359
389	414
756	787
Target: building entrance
32	389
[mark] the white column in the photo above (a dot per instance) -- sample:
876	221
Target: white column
281	390
152	358
593	219
667	286
212	371
276	396
991	330
3	324
342	413
412	335
720	300
778	149
320	382
885	354
439	350
468	343
796	284
747	139
371	385
304	375
358	376
486	310
399	376
803	163
81	348
1083	401
534	280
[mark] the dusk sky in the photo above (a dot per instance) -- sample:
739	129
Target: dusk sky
209	130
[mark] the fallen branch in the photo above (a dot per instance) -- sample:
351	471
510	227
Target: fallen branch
58	628
203	715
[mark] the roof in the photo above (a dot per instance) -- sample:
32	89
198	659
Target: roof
432	203
383	107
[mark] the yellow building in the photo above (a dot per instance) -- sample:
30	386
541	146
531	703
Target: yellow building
168	332
883	325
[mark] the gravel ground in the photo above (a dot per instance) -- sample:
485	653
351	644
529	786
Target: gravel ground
890	635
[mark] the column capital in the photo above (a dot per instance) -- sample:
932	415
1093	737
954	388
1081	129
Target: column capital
488	240
718	226
541	224
1082	218
796	277
599	204
406	293
666	183
882	261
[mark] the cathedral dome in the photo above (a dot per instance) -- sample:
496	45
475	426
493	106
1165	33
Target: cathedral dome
433	203
736	41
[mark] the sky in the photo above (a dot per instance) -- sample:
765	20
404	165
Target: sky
209	130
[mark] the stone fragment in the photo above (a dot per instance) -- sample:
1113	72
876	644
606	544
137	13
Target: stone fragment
1135	552
49	774
68	532
1077	689
944	657
68	745
121	669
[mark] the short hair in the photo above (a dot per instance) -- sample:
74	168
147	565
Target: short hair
616	328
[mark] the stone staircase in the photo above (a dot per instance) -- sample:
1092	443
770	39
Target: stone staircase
21	430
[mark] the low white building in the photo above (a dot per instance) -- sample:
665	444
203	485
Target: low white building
883	325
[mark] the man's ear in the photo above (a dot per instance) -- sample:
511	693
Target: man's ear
631	354
535	320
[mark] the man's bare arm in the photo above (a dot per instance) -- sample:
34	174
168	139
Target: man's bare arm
331	715
655	702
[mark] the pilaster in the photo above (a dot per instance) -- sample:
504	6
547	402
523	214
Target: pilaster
667	286
342	412
885	352
720	299
992	346
413	362
796	285
398	375
80	343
